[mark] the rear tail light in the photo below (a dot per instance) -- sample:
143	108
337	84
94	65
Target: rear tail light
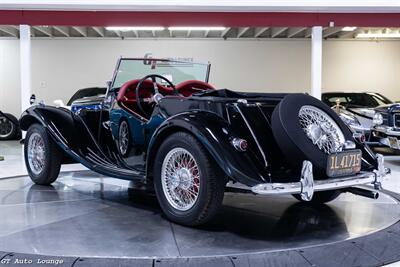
359	137
239	144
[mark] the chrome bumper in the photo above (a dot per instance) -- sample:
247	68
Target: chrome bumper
307	185
386	130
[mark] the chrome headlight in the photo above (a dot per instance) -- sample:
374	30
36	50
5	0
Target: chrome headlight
377	119
349	119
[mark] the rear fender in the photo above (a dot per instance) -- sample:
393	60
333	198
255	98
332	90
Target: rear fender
215	134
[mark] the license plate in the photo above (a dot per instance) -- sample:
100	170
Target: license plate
393	142
344	163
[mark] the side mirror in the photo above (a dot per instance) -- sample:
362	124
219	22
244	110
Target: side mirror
32	100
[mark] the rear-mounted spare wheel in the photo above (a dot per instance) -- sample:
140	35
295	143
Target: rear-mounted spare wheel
307	129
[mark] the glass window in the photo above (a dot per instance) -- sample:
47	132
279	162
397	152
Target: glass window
175	71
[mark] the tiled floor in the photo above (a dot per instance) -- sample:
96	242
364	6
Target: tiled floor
13	163
80	205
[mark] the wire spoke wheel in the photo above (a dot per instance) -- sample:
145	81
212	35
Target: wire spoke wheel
36	153
6	127
123	138
321	129
180	178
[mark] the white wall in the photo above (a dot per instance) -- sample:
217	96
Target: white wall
60	67
9	77
362	66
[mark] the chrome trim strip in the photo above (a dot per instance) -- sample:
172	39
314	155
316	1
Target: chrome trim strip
386	130
395	121
252	134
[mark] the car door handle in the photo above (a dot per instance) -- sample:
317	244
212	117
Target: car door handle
106	125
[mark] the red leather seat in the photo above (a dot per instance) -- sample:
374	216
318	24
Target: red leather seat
187	88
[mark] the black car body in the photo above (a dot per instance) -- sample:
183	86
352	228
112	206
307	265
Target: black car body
188	141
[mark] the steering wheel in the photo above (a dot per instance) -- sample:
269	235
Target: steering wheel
156	95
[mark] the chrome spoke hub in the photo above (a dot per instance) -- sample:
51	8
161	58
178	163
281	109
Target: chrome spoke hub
36	153
123	138
6	127
180	179
321	129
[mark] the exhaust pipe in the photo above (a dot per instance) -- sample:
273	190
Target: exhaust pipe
363	192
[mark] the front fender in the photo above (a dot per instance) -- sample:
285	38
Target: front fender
60	125
215	134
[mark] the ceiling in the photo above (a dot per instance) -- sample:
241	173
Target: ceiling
207	5
12	31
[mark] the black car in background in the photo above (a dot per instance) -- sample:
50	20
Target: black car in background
357	110
87	92
9	127
386	129
372	114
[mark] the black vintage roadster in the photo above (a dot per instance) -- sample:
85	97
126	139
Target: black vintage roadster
161	124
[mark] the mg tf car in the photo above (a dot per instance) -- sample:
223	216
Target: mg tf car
164	126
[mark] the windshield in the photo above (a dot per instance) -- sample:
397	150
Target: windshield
174	71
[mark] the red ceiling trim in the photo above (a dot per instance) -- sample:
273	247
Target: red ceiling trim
228	19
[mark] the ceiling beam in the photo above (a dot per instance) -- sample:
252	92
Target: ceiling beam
242	31
259	31
276	31
225	32
82	30
63	30
10	31
331	31
99	30
294	31
375	18
45	30
308	33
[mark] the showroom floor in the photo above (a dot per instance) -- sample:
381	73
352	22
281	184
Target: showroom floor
88	215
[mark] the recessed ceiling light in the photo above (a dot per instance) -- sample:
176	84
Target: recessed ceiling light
136	28
348	29
378	35
188	28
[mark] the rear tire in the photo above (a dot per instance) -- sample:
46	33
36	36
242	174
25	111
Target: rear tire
321	197
183	165
42	156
